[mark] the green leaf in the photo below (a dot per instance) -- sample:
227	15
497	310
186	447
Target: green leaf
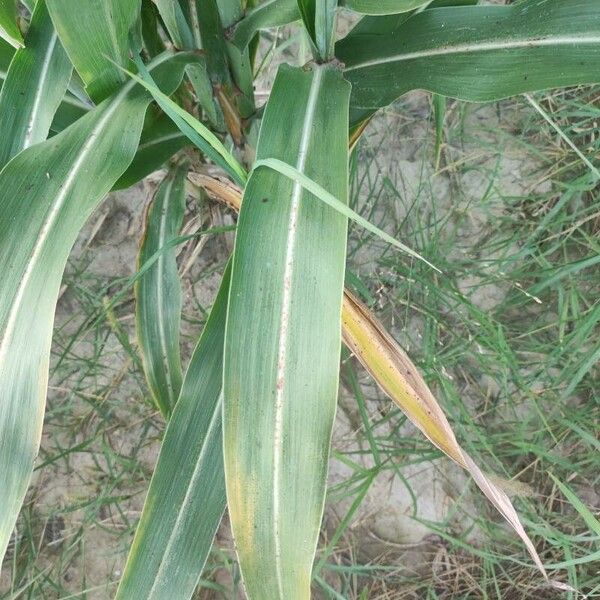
325	18
286	293
35	85
213	41
307	10
197	133
6	55
185	36
231	11
219	59
578	505
319	19
186	498
160	140
442	3
96	38
477	53
70	110
158	293
47	192
176	24
322	194
153	43
383	7
271	13
9	29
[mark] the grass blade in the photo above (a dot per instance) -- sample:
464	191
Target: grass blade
529	45
383	7
322	194
46	194
161	139
158	293
186	498
196	132
398	377
578	505
9	30
6	55
271	13
36	83
91	32
176	24
395	373
279	402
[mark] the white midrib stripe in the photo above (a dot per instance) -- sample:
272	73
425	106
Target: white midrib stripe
160	140
86	150
37	250
159	577
480	47
160	289
285	315
37	102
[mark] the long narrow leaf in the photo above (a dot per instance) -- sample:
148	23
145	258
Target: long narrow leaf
396	374
176	24
271	13
35	86
586	514
6	55
93	31
160	140
383	7
46	194
197	133
401	381
325	20
319	20
9	30
322	194
231	11
186	498
476	53
158	293
286	292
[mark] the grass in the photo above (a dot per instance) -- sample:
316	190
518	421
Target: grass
507	336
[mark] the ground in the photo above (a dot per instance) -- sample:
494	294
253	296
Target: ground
506	336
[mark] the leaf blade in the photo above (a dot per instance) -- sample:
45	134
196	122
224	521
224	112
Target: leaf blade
326	197
383	7
9	30
284	395
518	48
196	132
35	85
44	201
92	33
186	498
271	13
161	139
398	377
158	292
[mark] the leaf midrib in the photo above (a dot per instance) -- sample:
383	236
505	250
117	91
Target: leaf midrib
507	44
283	340
165	209
53	214
37	102
214	422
